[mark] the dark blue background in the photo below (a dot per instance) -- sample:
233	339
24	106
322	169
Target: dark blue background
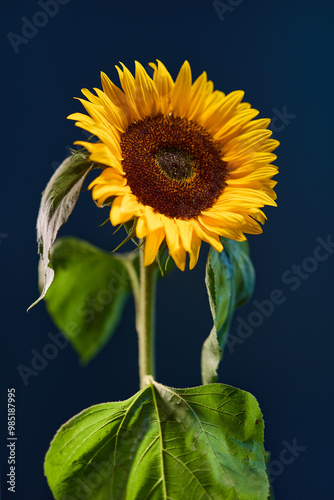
280	53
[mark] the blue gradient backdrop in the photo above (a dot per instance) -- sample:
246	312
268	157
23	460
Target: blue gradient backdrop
281	54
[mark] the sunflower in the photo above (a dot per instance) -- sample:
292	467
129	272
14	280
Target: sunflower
186	162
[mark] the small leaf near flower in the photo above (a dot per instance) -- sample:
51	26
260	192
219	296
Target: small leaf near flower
87	296
230	281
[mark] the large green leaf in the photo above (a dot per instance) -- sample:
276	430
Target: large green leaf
88	293
230	281
200	443
58	201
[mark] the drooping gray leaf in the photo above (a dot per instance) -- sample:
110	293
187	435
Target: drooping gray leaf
58	201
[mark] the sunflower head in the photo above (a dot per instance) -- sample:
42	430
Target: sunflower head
187	162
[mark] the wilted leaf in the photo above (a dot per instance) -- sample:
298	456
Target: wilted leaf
58	201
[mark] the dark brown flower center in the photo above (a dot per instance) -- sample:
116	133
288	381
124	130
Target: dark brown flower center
176	164
173	165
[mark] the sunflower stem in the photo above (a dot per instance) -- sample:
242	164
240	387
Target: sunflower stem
145	316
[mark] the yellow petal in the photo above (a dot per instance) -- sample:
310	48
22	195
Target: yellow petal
230	103
100	153
197	97
106	134
185	230
164	84
243	198
249	164
91	97
258	215
121	211
114	93
229	232
153	220
108	184
81	118
102	193
108	176
179	256
234	126
194	251
251	226
129	86
141	228
181	92
190	240
208	236
146	92
223	218
172	235
152	244
116	115
217	114
96	111
130	204
254	172
263	123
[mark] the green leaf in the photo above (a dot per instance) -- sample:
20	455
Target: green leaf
88	293
271	489
230	281
58	201
200	443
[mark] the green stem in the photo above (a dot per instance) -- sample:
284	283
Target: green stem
145	316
